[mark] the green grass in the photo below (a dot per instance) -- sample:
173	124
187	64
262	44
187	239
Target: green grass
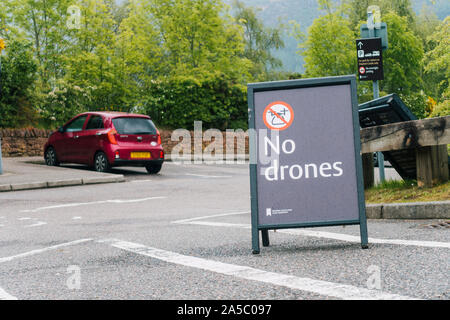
406	191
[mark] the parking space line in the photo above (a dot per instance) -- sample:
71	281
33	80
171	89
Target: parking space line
206	176
320	287
68	205
323	234
37	251
6	296
211	216
37	224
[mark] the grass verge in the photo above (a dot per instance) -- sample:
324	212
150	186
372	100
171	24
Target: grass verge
406	191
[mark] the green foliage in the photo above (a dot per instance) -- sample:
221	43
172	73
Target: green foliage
18	72
200	39
179	101
259	41
329	49
62	103
402	61
417	103
437	60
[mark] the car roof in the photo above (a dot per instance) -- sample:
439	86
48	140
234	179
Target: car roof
114	114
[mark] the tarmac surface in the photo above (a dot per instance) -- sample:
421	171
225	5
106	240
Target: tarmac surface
184	234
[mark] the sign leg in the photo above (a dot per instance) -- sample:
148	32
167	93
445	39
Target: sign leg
364	234
265	237
255	240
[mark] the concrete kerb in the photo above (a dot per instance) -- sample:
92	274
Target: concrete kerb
60	183
409	210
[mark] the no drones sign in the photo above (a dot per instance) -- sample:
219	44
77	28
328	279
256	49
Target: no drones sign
306	170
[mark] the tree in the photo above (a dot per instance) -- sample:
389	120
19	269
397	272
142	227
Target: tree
357	9
437	66
43	23
259	41
18	72
199	39
329	49
402	61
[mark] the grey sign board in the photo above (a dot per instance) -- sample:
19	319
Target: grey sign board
306	169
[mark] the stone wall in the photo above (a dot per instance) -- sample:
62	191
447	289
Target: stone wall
30	142
23	142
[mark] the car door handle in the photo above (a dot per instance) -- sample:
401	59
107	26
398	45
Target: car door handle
76	137
98	133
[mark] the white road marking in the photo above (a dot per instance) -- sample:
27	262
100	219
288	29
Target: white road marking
37	224
350	238
68	205
323	234
206	176
6	296
76	218
37	251
324	288
211	216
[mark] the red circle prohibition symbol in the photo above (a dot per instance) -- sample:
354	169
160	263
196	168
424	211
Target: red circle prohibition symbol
362	70
278	115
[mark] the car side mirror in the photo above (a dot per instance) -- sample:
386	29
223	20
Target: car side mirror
61	129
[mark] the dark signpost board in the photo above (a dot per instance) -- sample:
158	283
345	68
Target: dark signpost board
370	60
305	163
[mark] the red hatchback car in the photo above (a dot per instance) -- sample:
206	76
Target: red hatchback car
107	139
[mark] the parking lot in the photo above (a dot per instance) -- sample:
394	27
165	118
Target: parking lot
185	234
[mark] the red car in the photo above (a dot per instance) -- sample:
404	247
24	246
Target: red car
107	139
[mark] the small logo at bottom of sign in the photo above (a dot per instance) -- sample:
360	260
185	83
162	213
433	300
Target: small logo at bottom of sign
270	211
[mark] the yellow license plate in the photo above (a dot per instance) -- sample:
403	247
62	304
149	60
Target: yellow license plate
140	155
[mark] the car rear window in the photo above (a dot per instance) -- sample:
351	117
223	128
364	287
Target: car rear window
95	122
130	125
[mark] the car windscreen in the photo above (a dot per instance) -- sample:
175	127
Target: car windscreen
129	125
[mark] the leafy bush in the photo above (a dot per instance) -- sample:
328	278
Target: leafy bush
18	72
178	102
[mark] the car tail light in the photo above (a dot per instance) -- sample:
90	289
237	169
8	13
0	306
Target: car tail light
159	137
161	154
112	137
117	155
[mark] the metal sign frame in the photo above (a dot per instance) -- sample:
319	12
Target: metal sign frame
294	84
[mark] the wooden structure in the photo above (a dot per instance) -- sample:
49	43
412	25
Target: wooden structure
427	138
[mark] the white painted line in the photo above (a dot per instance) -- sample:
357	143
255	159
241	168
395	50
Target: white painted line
37	224
350	238
328	235
211	216
325	288
68	205
37	251
76	218
6	296
206	176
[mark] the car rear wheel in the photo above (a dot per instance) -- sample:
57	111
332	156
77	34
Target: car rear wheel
50	157
101	163
154	168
